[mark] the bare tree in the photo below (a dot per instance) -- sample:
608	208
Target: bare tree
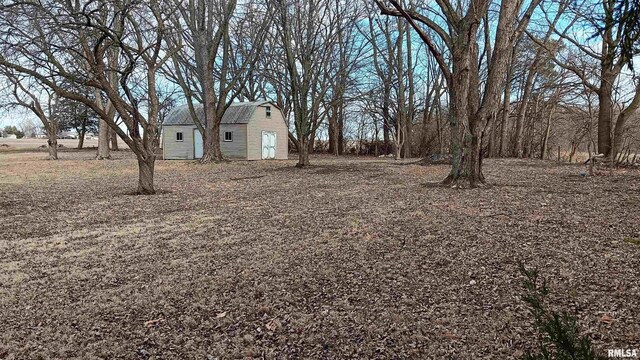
470	109
84	34
348	58
383	65
107	134
29	94
391	90
530	72
308	31
616	37
214	59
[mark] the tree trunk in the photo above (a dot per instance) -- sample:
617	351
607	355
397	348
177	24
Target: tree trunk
466	168
333	132
341	132
145	174
622	120
528	137
211	136
81	135
574	148
468	122
407	149
52	141
438	114
336	126
311	144
303	153
545	140
211	144
518	147
408	118
506	106
103	141
113	136
399	144
503	137
82	132
493	135
605	113
559	154
385	124
618	137
529	130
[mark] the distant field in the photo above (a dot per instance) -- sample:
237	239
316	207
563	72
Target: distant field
36	143
347	259
21	144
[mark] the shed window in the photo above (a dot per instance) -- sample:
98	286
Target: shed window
179	136
268	112
228	136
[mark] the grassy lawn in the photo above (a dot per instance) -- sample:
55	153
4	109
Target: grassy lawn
347	259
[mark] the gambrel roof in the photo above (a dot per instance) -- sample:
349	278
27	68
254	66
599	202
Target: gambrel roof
237	113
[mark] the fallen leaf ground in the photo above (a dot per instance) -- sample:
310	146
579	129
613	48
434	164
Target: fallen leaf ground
350	258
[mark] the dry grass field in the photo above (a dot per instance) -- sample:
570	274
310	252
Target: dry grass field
30	144
346	259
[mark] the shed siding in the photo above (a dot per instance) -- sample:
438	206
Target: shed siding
247	138
259	123
173	149
238	147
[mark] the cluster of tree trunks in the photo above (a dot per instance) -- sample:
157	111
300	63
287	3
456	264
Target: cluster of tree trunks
469	109
307	55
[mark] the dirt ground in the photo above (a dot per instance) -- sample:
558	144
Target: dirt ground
347	259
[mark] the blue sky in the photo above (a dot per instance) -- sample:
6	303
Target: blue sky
16	116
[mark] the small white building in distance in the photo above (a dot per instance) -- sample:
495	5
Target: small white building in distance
249	130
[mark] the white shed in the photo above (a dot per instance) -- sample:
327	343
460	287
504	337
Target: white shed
249	130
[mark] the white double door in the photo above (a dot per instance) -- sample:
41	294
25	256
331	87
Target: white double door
268	145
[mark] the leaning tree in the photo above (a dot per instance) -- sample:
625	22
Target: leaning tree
26	92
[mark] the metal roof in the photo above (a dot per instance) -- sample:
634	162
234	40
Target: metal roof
237	113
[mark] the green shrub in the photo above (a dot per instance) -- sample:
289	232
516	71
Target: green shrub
559	334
